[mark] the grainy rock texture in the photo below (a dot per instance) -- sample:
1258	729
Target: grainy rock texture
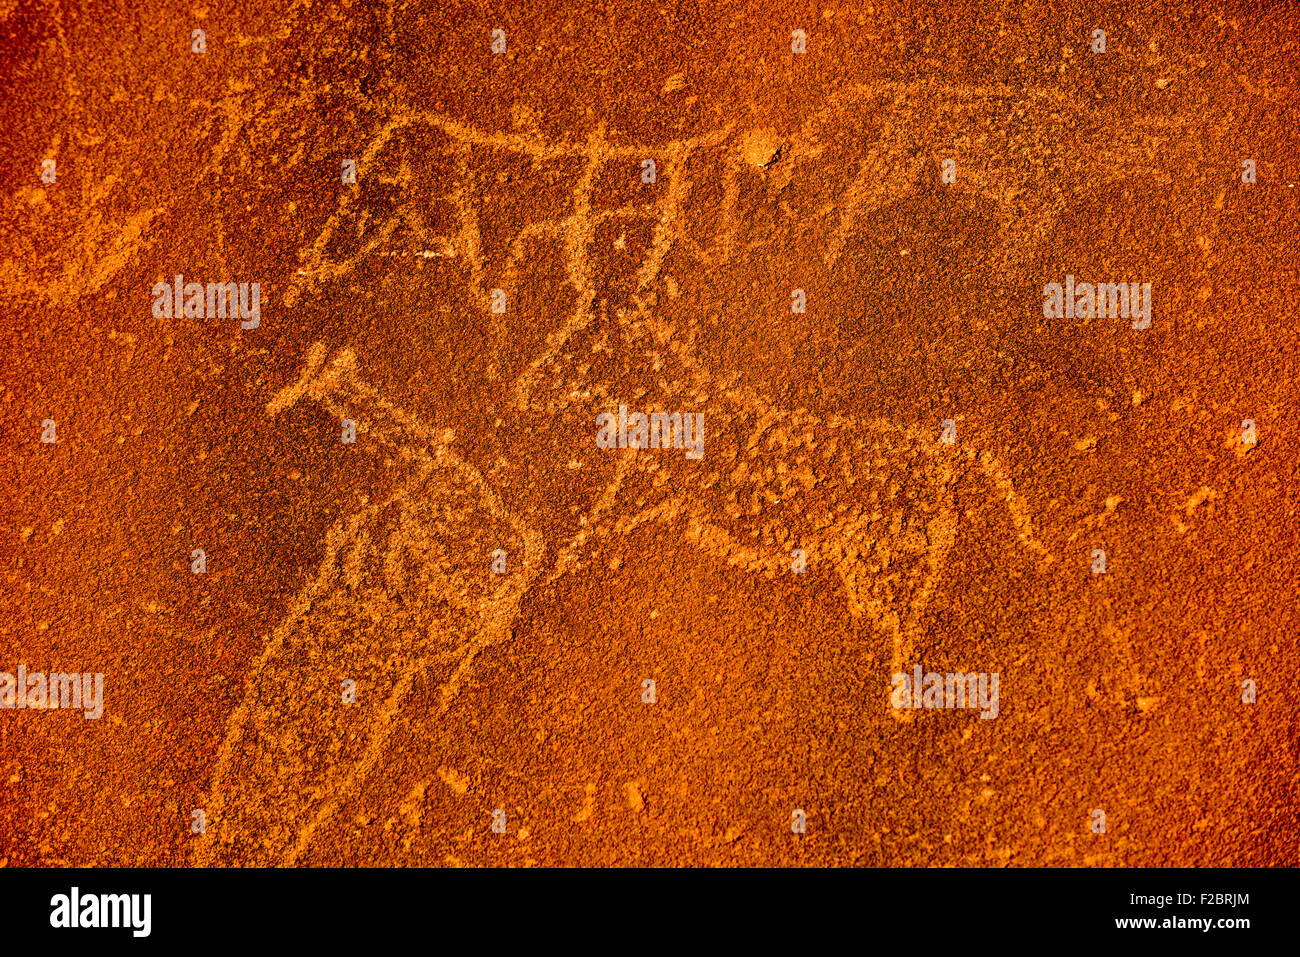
566	654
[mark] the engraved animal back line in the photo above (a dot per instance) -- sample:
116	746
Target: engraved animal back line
573	229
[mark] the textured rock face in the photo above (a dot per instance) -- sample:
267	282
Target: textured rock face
439	620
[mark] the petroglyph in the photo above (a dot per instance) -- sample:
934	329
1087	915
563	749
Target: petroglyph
64	246
861	151
871	498
404	590
404	586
